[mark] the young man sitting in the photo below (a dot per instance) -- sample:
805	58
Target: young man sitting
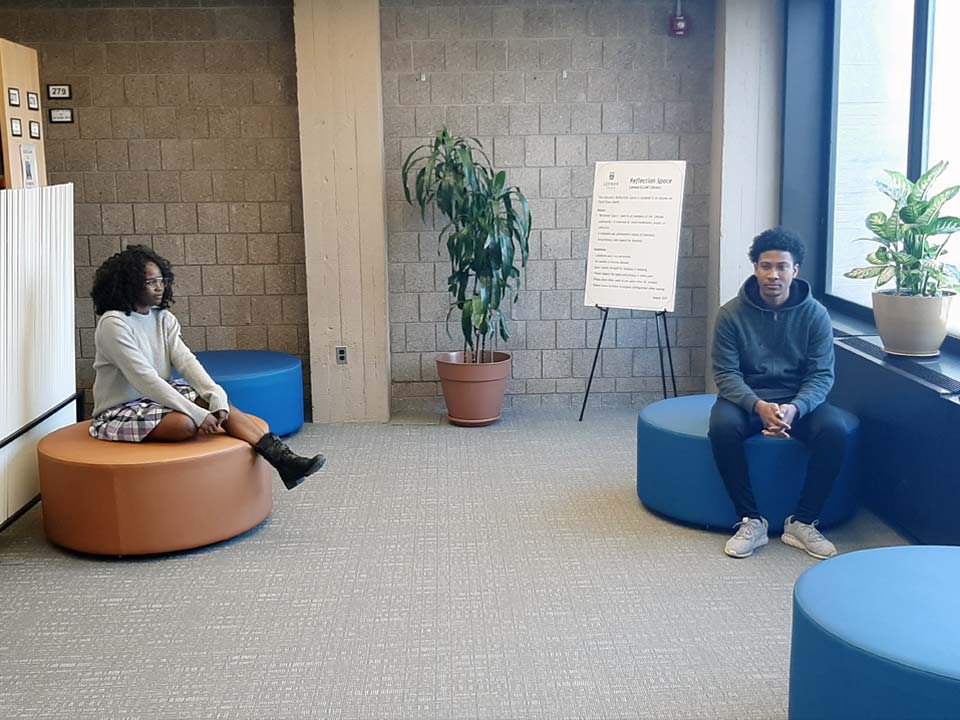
773	367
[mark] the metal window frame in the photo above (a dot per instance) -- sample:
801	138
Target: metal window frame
920	80
806	128
817	22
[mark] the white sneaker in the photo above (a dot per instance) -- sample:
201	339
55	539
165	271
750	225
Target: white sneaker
807	538
751	534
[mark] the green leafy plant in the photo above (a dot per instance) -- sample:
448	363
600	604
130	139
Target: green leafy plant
910	238
487	221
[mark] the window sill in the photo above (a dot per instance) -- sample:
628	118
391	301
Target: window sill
940	374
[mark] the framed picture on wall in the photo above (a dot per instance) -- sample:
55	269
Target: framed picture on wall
28	164
34	129
33	100
61	115
16	127
13	97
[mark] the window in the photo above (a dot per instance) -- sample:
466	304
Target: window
943	138
872	126
894	107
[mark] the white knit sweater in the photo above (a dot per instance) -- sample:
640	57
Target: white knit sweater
136	355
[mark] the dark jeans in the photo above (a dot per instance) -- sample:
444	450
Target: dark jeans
822	431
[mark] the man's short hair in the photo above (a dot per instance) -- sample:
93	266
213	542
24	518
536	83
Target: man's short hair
778	238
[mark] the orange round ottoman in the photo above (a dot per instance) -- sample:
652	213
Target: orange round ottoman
116	498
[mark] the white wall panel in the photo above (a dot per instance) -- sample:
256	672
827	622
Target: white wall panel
37	340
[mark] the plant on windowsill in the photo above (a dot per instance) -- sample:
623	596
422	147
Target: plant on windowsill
487	222
912	317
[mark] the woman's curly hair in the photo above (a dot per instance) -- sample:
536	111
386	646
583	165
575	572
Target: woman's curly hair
120	281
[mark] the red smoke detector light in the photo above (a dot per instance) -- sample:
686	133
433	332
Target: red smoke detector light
679	25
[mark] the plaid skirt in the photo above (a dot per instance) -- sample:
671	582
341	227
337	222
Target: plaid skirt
133	421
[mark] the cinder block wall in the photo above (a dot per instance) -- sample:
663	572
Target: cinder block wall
549	89
186	139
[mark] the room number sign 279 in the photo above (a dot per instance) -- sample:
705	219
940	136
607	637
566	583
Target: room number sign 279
58	92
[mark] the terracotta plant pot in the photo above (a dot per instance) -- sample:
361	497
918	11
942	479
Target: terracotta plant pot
473	391
911	325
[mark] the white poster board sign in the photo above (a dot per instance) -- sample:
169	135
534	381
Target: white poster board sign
635	235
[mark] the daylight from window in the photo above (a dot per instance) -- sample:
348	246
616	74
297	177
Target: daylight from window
873	120
944	111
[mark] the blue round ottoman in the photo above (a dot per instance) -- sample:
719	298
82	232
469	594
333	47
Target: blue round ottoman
266	384
677	476
876	634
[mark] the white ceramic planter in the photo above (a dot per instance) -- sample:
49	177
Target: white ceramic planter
911	325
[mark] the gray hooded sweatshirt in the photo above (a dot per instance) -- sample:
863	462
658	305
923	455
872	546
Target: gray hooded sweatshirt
764	353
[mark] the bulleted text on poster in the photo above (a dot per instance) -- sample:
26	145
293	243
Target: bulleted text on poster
634	235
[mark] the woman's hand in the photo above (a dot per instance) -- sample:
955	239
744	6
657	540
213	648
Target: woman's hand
209	425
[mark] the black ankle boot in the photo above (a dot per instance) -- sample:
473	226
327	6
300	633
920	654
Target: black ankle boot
293	468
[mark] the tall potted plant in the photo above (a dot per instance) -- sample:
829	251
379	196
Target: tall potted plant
912	317
487	221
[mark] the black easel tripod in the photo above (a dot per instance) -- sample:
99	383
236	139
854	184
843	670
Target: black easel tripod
659	315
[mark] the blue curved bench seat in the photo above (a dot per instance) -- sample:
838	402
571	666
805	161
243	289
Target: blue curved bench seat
265	383
677	476
876	634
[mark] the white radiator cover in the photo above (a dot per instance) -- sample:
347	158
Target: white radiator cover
37	334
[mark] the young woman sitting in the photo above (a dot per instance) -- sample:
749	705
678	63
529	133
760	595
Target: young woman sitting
138	345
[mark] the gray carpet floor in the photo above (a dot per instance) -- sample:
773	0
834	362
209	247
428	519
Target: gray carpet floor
429	571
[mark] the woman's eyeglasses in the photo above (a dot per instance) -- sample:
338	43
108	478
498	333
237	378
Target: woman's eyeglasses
156	282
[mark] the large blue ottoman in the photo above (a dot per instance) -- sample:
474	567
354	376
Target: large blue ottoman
266	384
677	476
876	635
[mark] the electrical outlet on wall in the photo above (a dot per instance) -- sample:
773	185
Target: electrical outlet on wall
341	354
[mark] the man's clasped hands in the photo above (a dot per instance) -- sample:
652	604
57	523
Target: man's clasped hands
777	419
